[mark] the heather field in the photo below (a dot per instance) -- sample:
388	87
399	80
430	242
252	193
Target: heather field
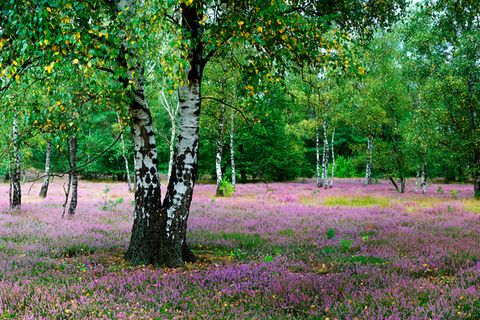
271	251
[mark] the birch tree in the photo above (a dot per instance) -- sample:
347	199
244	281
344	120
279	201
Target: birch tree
46	179
15	184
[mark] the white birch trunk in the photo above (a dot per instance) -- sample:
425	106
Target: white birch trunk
16	190
171	146
219	151
424	179
74	174
172	114
218	157
232	149
124	155
368	168
182	180
325	156
417	177
333	159
46	179
317	151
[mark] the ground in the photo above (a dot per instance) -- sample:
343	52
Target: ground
271	251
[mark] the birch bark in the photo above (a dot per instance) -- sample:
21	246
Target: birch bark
15	185
124	155
147	244
325	157
182	180
333	159
368	167
219	146
46	179
424	179
317	153
232	149
74	175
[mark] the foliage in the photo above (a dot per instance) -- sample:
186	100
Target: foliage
226	188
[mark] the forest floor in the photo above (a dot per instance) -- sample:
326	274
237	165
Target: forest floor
271	251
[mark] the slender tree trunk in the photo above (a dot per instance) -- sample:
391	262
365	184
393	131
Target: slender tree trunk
124	155
417	177
368	168
317	153
173	132
67	190
424	179
394	184
232	149
46	179
333	159
16	190
325	156
73	170
219	151
172	114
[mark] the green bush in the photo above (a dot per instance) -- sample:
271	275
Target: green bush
345	168
226	189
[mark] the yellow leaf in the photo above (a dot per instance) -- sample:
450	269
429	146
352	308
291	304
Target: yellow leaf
241	23
260	29
17	77
49	67
75	61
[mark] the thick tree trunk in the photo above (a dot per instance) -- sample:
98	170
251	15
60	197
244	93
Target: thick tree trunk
325	156
146	242
73	171
317	154
182	181
180	187
46	179
147	245
333	159
232	149
124	155
15	186
219	150
368	167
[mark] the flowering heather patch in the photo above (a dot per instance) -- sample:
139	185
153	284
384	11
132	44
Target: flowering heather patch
271	251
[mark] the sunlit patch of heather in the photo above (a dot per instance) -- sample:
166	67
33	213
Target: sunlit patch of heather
271	251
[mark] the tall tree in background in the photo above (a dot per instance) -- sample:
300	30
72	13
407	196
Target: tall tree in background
46	179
